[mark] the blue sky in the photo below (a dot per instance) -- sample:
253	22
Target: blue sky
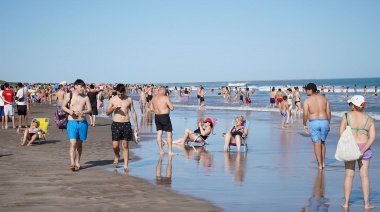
188	41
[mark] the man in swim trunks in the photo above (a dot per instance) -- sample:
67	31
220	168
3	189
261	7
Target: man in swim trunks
199	95
278	96
272	95
121	128
77	126
161	106
316	109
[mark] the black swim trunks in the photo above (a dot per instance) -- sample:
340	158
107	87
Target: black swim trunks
198	96
94	110
21	110
163	122
202	99
121	131
149	97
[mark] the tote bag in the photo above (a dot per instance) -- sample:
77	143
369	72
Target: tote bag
347	149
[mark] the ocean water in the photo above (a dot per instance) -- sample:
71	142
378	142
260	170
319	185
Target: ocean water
260	98
278	172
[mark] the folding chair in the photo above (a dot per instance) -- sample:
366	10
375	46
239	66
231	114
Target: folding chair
245	144
43	125
199	139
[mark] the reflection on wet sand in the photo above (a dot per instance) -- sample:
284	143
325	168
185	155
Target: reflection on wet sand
146	123
167	179
318	202
236	163
199	154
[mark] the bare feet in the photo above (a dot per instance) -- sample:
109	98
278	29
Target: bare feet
162	152
126	169
172	153
116	161
369	207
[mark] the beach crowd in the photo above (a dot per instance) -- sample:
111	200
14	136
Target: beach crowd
80	100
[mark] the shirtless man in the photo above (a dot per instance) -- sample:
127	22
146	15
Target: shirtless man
272	96
142	101
199	95
297	102
316	109
278	96
60	96
77	126
161	106
121	127
284	109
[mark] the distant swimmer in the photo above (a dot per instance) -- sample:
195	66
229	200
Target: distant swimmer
272	96
297	102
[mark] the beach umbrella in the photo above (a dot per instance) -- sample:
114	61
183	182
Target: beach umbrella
56	87
63	82
101	84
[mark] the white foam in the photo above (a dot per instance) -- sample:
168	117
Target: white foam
236	84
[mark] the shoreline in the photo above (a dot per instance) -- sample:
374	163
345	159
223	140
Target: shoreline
39	178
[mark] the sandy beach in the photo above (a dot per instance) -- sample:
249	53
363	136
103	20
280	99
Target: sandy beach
38	178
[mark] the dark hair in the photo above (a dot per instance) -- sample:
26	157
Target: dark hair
79	82
19	84
92	86
2	87
6	85
285	97
120	87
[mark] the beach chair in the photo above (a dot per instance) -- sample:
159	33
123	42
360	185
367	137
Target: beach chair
43	125
199	139
245	145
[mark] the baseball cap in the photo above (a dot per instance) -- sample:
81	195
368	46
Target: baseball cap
357	100
311	86
208	120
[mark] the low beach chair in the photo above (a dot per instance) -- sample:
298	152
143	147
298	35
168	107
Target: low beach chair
245	144
199	139
43	125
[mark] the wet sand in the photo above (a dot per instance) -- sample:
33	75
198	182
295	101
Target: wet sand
278	173
38	178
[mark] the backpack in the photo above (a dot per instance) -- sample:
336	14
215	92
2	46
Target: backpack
60	117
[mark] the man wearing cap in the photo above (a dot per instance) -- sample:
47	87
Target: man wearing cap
161	106
316	109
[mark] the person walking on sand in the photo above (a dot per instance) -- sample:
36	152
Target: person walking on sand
364	132
60	96
316	109
77	105
161	106
121	127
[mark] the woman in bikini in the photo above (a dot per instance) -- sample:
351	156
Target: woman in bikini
364	132
203	130
235	134
290	105
297	102
31	133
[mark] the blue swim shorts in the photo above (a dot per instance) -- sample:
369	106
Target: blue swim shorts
318	128
77	129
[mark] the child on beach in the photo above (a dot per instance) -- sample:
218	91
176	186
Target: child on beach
283	107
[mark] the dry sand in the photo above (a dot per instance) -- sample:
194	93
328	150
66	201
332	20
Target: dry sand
38	178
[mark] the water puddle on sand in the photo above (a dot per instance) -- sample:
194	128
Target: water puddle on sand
278	173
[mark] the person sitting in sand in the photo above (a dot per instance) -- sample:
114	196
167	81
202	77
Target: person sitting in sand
31	133
235	134
203	129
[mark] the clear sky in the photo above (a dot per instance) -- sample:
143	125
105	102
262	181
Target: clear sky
162	41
